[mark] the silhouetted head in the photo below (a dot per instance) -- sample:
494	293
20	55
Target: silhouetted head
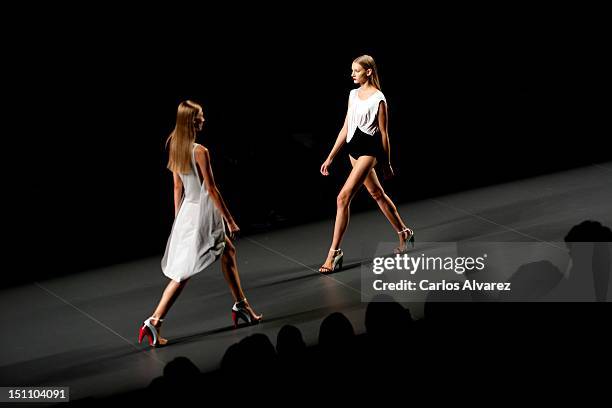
289	341
532	281
257	351
589	231
180	370
336	330
232	359
590	248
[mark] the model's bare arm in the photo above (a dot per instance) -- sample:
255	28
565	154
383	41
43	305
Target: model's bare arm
340	140
202	157
383	127
178	191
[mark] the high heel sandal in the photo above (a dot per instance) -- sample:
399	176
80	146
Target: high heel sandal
336	263
409	238
242	310
151	332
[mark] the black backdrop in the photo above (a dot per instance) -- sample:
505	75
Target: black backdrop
472	101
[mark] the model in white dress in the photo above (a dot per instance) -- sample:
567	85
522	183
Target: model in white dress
198	236
198	233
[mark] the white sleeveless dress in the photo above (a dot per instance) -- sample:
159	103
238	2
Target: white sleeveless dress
198	232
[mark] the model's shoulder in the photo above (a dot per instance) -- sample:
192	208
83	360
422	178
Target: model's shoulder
200	150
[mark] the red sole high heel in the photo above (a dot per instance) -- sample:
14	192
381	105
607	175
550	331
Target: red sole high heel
235	319
145	331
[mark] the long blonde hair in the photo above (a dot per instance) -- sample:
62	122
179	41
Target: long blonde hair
367	62
182	137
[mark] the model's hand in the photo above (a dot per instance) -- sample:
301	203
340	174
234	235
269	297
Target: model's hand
325	166
234	230
388	171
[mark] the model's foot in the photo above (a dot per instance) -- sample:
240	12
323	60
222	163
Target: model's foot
157	324
334	258
404	237
327	265
254	316
243	310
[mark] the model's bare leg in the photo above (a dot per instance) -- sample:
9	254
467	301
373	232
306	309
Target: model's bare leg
385	204
171	293
229	265
355	180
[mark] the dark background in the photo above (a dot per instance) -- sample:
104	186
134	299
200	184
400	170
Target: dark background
473	101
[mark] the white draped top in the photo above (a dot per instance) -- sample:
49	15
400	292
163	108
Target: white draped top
363	114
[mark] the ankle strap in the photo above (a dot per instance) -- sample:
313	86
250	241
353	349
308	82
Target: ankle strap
404	230
155	318
335	250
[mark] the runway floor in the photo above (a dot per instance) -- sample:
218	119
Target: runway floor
81	330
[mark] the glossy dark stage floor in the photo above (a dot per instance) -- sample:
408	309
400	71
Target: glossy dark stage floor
80	331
